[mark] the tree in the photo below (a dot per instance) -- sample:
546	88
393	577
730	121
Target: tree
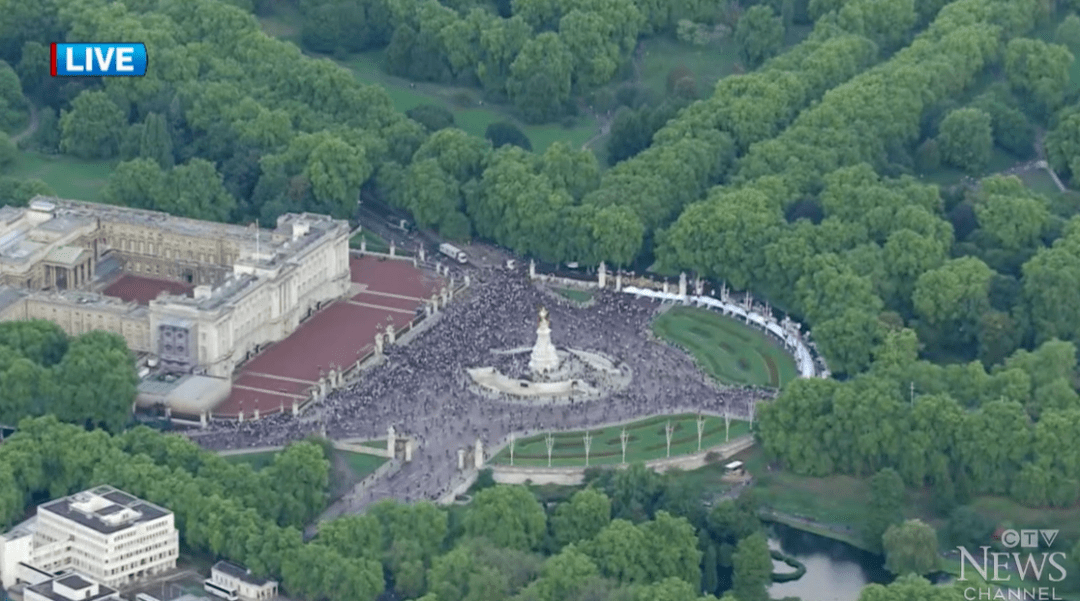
432	117
759	34
92	128
1068	32
586	513
1011	215
886	506
508	516
540	78
17	192
954	297
156	143
12	103
502	133
752	569
1063	144
8	152
966	139
195	189
907	588
563	575
1038	70
102	358
595	54
910	548
969	528
299	479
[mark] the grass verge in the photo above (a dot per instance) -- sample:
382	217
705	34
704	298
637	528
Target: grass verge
69	177
647	441
725	349
578	296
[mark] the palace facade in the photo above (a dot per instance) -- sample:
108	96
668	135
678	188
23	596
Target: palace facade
195	296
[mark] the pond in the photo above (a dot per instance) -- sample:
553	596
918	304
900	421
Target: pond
835	571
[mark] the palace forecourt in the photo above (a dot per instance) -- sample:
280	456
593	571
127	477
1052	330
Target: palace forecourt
226	321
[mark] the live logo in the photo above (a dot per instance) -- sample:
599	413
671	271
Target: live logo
98	60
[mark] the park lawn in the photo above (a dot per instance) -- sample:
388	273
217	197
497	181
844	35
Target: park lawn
1038	180
830	500
647	442
842	500
708	63
257	460
470	114
726	349
69	177
374	241
374	444
1000	160
362	464
578	296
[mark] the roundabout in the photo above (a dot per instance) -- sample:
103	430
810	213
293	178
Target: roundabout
491	364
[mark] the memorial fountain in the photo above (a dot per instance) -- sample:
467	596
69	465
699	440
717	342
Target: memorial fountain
552	375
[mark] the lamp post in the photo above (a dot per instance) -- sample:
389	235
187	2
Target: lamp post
668	431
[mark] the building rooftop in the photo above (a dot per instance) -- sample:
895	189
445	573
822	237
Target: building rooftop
104	509
240	573
75	582
65	255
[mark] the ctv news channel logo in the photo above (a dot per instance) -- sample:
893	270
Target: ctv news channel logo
1024	574
98	60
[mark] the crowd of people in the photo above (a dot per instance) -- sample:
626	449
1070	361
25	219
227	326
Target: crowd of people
418	388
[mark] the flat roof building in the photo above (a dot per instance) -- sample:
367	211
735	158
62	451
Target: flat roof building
103	533
229	580
69	587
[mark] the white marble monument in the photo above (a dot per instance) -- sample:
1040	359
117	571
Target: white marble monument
544	356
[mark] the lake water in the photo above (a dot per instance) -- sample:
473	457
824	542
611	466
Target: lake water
834	571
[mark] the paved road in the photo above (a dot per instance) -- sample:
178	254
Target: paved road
420	388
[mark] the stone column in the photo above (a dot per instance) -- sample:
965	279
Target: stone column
478	454
665	288
532	269
256	416
682	284
461	459
202	419
601	275
363	245
240	416
618	282
408	450
390	335
420	251
391	441
378	344
435	302
467	280
392	249
444	296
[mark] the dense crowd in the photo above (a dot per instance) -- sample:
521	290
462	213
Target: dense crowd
419	390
